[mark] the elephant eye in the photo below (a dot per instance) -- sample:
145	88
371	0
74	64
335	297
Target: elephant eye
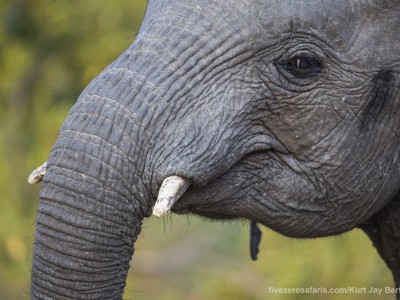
303	66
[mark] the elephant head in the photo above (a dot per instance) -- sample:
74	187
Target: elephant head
285	113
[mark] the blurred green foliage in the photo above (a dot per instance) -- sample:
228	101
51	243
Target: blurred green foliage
49	51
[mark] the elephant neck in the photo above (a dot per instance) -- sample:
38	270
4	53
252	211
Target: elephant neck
384	231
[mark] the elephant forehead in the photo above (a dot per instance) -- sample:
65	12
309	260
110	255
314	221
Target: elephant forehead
346	26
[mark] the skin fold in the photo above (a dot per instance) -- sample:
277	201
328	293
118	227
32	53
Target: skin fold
285	113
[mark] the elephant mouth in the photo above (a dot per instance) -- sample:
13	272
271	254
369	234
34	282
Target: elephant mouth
229	188
172	189
184	195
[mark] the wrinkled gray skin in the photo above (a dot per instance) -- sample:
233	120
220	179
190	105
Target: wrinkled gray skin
282	112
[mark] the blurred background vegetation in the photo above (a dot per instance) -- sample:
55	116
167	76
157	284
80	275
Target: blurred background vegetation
49	51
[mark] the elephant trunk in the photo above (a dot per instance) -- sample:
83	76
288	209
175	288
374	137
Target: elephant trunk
89	213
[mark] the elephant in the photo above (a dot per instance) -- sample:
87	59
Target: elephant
284	113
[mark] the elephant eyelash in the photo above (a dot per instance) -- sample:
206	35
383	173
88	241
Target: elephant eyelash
301	66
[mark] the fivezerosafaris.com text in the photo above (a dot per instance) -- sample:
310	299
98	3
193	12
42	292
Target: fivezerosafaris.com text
336	290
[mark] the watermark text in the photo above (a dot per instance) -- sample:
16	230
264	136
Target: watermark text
335	290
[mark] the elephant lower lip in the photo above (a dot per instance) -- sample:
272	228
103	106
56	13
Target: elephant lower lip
204	212
181	211
214	215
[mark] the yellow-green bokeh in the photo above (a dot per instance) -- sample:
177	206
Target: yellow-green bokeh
49	51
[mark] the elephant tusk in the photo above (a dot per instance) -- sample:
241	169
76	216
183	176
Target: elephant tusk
37	175
171	190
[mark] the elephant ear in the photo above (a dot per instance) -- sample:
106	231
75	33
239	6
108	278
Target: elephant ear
383	229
